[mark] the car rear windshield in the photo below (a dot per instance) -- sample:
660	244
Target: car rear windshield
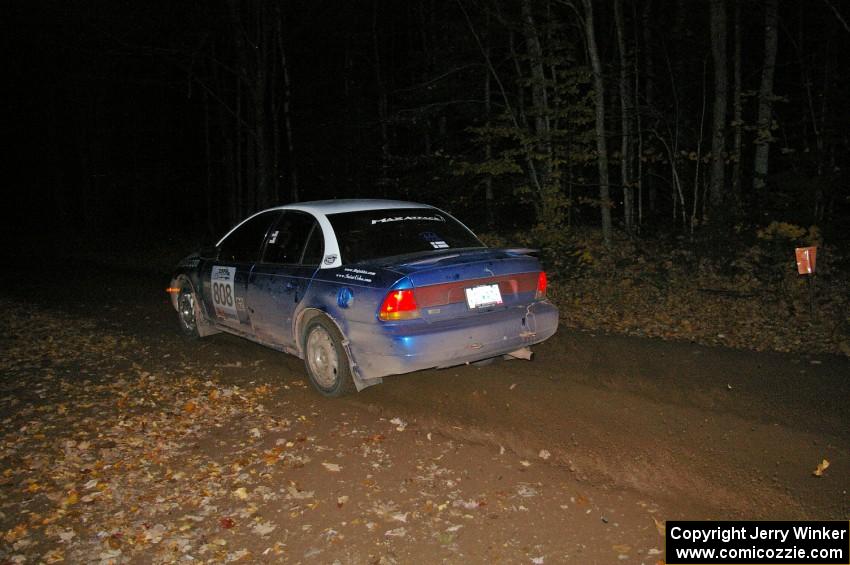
372	234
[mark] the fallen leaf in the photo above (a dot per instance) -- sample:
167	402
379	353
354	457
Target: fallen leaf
15	533
544	454
332	467
659	525
264	528
71	499
226	522
240	493
54	556
299	494
821	468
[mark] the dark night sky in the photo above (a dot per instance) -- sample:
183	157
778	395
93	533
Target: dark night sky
105	103
117	77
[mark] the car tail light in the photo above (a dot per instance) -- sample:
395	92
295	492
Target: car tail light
399	305
542	283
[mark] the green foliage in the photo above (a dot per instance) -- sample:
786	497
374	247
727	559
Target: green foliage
784	232
530	165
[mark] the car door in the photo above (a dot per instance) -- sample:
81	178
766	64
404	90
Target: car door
292	253
225	280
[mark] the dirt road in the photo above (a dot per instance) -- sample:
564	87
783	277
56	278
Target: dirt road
123	442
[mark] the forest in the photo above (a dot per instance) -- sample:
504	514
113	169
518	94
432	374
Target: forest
704	138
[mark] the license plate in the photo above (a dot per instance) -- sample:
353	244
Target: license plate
483	296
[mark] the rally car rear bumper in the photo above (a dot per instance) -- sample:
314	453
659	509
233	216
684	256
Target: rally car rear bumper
403	347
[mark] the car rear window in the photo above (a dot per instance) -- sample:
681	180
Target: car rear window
371	234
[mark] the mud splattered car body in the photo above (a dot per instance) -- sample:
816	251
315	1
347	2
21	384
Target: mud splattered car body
362	289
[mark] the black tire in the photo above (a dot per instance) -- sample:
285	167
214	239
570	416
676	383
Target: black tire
187	311
325	358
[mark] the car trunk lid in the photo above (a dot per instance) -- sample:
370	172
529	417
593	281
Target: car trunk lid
464	283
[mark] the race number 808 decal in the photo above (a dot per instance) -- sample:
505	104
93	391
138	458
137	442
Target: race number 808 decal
221	287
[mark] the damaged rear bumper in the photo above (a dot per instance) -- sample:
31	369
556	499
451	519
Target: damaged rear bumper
397	348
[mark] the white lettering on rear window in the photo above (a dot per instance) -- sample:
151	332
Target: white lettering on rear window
409	218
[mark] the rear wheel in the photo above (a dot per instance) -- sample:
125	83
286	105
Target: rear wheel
325	358
187	311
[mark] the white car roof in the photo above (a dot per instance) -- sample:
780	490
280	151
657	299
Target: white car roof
351	205
321	208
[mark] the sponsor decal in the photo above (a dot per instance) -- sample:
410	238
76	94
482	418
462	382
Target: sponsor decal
353	274
435	240
409	219
330	259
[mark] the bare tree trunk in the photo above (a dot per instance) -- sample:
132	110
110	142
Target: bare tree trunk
626	121
239	200
540	108
517	117
699	153
738	116
275	157
208	196
601	143
520	90
764	137
489	200
259	91
294	195
649	97
539	97
718	138
383	104
520	120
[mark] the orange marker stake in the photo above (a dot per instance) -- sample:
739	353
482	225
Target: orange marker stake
806	257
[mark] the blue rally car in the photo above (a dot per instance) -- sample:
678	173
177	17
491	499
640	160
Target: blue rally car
362	289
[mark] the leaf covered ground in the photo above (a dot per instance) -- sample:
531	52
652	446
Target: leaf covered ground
117	447
745	297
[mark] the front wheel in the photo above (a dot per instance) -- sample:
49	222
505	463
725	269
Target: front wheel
325	358
187	311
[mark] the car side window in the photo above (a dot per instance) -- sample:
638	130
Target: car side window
286	242
243	244
315	249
